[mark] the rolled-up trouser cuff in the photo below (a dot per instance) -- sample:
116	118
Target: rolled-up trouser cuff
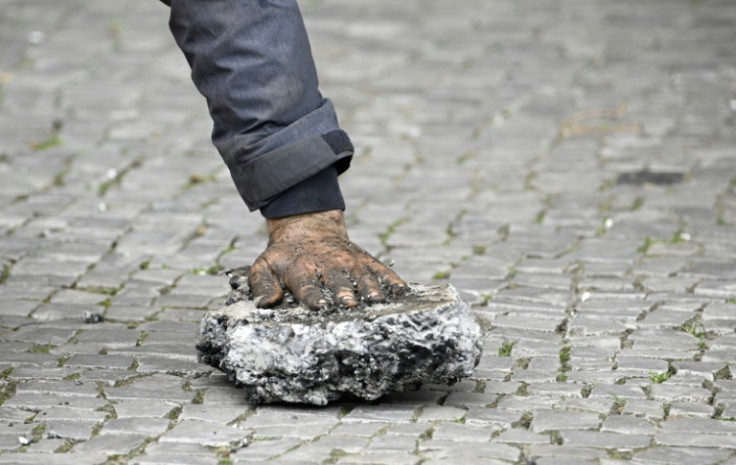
319	193
262	180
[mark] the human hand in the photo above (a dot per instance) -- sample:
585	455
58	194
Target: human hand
310	252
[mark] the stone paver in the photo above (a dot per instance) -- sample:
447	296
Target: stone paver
570	166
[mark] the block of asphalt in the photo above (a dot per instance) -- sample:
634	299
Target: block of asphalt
293	354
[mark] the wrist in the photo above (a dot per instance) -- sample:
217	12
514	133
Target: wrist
330	219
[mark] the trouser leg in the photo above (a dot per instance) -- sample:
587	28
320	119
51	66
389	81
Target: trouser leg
279	137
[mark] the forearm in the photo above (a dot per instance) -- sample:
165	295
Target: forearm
274	130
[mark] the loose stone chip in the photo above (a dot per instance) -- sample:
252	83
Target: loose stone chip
293	354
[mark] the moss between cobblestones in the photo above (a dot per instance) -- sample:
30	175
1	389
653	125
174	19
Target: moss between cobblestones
344	410
718	414
60	177
213	270
495	403
723	373
68	445
660	377
694	329
529	181
105	304
101	391
618	406
625	342
479	250
648	242
427	434
41	348
62	360
131	380
173	414
506	348
7	390
617	454
540	216
141	337
5	273
678	237
276	456
522	390
450	229
241	418
335	456
417	413
525	421
562	327
38	431
109	409
565	356
666	410
223	454
504	232
72	377
115	460
97	428
54	140
466	156
199	397
440	275
125	458
115	177
384	236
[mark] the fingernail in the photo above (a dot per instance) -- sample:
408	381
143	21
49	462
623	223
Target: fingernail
321	303
400	289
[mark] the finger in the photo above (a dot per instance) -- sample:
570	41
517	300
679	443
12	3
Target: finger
369	288
341	288
391	280
301	280
264	285
310	295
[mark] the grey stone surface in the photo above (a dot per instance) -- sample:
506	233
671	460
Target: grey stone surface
204	433
569	166
294	354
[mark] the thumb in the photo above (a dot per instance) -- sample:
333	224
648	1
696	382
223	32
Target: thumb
264	284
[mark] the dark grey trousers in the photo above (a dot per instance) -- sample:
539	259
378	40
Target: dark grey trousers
279	136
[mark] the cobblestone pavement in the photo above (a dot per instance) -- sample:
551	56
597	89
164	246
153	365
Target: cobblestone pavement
569	164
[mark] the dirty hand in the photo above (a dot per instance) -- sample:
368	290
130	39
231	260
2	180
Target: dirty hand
310	252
